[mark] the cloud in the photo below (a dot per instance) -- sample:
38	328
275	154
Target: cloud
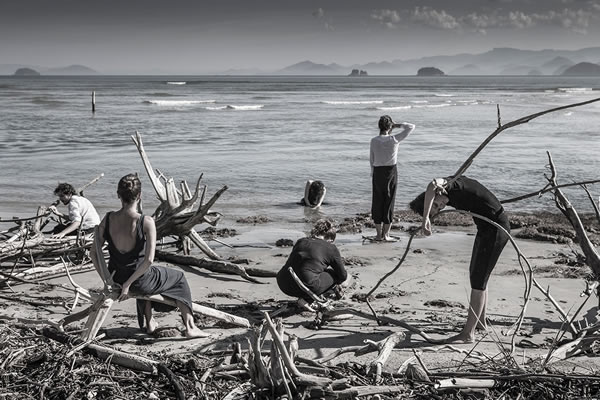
388	18
319	14
434	18
575	20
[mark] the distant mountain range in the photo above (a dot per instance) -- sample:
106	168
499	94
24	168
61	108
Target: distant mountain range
499	61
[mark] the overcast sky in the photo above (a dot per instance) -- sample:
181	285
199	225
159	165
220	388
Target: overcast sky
204	36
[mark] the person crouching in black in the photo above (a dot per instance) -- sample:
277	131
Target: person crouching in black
318	264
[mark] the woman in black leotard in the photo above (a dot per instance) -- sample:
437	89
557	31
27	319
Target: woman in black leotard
131	239
469	195
316	261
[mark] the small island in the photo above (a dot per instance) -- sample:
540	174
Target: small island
583	69
26	72
357	72
430	71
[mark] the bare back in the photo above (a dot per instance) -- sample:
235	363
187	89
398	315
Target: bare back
122	230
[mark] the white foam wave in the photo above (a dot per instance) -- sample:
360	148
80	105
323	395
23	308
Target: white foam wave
443	95
419	101
569	113
176	83
335	102
434	105
574	90
393	108
178	103
239	108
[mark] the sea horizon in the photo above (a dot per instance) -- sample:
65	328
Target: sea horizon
264	136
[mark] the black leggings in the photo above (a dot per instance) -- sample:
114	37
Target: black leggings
384	193
487	248
318	285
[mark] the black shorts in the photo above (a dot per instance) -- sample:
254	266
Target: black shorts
488	245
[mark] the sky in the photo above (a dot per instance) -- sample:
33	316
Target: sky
204	36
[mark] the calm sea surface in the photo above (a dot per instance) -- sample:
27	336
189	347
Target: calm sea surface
264	137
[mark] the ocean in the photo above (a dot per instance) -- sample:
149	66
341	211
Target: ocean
264	136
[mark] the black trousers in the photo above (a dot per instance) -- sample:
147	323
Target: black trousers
384	193
487	248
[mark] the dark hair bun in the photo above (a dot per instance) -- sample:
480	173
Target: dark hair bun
129	188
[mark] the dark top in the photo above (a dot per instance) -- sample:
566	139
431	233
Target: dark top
311	256
469	195
123	265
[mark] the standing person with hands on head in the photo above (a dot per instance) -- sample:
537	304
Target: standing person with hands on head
384	175
469	195
131	238
81	215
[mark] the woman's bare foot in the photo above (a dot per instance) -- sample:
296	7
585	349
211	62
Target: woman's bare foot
303	304
151	326
195	332
461	338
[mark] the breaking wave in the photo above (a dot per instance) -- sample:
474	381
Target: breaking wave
335	102
177	103
176	83
239	108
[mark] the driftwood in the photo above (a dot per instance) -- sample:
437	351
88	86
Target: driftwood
565	207
50	271
175	216
502	127
223	267
118	357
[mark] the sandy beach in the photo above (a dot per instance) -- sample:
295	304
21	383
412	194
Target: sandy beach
429	291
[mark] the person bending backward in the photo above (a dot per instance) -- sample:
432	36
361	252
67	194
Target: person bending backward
131	239
383	159
82	213
469	195
318	264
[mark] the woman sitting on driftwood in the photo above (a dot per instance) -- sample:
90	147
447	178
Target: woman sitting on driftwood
131	241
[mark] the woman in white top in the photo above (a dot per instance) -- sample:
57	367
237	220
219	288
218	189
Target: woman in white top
383	158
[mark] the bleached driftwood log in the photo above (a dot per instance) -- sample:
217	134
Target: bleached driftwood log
223	267
565	207
176	215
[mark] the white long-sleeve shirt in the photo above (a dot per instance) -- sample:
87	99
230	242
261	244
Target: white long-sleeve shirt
384	148
80	209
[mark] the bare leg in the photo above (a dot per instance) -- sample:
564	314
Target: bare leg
481	322
476	309
191	330
151	323
386	232
379	233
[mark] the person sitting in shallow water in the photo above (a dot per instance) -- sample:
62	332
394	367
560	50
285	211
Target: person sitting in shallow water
317	263
131	241
314	193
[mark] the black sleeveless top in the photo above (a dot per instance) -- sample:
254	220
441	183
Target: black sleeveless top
123	265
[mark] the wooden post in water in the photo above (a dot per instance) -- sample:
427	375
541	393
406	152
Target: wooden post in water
93	101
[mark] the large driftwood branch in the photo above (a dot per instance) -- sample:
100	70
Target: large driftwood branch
175	216
501	128
547	188
131	361
223	267
592	259
299	377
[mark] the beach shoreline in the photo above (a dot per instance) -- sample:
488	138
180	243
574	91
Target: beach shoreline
430	291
